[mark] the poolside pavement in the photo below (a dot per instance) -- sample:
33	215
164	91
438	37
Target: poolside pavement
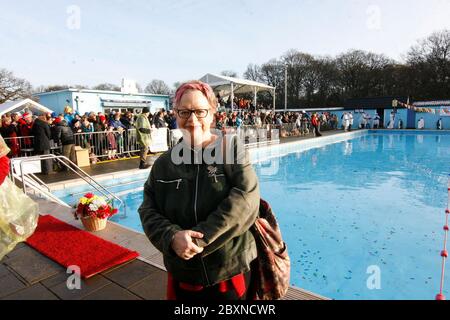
25	274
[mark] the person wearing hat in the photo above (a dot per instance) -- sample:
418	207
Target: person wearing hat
68	115
144	137
25	125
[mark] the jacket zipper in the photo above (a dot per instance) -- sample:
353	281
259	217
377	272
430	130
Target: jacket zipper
178	181
196	219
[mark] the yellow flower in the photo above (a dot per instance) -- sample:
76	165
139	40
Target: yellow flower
84	200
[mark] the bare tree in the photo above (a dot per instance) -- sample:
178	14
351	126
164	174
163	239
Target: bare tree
429	62
106	87
157	87
52	88
12	88
253	72
229	73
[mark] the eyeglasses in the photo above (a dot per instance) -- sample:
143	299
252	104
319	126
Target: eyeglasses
186	113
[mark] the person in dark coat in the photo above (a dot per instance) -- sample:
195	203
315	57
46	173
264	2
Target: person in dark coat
63	136
42	135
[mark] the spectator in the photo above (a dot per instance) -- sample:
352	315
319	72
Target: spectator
392	121
144	137
439	124
345	121
159	120
63	136
315	123
127	120
376	121
172	121
350	121
112	144
76	127
100	125
115	122
421	124
42	136
68	115
8	131
25	126
88	129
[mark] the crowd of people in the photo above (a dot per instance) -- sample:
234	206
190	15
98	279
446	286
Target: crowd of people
70	128
62	132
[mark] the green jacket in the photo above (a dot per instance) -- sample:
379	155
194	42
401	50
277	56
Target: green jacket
201	197
143	131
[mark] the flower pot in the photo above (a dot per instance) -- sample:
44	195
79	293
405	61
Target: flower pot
94	223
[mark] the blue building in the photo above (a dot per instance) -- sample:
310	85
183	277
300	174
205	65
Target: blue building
83	101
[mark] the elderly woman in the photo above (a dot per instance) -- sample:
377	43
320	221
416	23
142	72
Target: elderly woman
198	212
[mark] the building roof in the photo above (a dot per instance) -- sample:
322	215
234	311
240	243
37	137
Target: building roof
102	91
19	105
219	82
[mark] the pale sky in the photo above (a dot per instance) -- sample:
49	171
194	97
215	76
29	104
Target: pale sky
176	40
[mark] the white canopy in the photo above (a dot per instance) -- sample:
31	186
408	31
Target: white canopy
229	85
20	105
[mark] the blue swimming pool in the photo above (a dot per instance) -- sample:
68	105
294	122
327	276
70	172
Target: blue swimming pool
362	215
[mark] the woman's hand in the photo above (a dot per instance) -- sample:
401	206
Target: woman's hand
184	246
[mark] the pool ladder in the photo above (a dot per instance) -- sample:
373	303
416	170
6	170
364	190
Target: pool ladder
31	181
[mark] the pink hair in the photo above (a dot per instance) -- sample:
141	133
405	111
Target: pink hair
204	88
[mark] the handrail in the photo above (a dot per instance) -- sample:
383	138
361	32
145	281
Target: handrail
36	187
70	165
115	185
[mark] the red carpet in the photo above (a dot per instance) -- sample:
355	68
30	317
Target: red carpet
70	246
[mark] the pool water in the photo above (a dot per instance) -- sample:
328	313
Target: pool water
362	218
376	202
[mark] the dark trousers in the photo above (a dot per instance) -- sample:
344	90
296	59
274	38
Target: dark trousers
46	165
316	131
143	154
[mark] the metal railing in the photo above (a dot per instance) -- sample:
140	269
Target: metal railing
108	145
30	180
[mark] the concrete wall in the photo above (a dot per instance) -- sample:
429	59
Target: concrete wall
56	101
91	101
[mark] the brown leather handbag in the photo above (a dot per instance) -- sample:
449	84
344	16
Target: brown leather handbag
272	267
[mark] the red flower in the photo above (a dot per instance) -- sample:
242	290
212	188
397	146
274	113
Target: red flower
89	195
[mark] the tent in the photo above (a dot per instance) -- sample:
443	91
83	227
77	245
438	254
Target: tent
22	105
229	85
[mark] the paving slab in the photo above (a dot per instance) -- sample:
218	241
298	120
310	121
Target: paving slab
141	244
112	292
34	292
3	270
88	286
55	279
32	266
157	259
115	233
17	250
153	287
10	284
130	274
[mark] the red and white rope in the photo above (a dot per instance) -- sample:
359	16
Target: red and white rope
444	253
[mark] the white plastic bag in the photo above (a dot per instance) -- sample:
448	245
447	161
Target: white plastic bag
18	216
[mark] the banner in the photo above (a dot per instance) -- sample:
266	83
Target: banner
444	112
